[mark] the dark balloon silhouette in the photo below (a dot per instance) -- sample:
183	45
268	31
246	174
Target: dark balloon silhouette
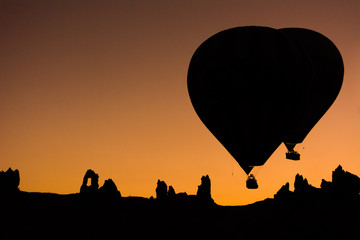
256	87
318	90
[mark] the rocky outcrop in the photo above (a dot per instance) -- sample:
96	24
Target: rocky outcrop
109	189
344	184
302	186
203	194
161	190
284	192
326	186
9	181
171	193
204	190
94	184
92	190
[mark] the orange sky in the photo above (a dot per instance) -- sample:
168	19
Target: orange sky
102	85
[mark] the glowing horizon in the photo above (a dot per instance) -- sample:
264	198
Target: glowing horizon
102	86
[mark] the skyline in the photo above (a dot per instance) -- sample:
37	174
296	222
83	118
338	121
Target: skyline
102	86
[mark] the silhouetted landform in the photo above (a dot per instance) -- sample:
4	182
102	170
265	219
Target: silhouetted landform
108	190
344	185
329	212
94	184
161	190
9	181
204	190
203	194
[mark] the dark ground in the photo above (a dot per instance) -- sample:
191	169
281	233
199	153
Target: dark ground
52	216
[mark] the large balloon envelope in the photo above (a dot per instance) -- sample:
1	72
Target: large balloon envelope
241	83
237	82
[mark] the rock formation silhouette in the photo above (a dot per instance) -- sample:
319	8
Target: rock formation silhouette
9	181
204	190
161	190
203	194
344	184
109	189
302	186
171	193
94	184
329	212
283	192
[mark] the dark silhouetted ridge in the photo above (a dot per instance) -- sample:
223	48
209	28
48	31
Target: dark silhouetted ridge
329	212
9	181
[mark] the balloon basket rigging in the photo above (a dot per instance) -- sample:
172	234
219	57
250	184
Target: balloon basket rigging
293	155
251	182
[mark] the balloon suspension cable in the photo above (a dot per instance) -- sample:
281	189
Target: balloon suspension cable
255	171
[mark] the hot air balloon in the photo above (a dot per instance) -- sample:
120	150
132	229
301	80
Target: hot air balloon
237	82
246	84
318	92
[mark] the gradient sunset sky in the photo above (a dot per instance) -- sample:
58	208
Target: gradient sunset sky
102	85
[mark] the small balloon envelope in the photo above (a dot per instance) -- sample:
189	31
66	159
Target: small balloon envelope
319	90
